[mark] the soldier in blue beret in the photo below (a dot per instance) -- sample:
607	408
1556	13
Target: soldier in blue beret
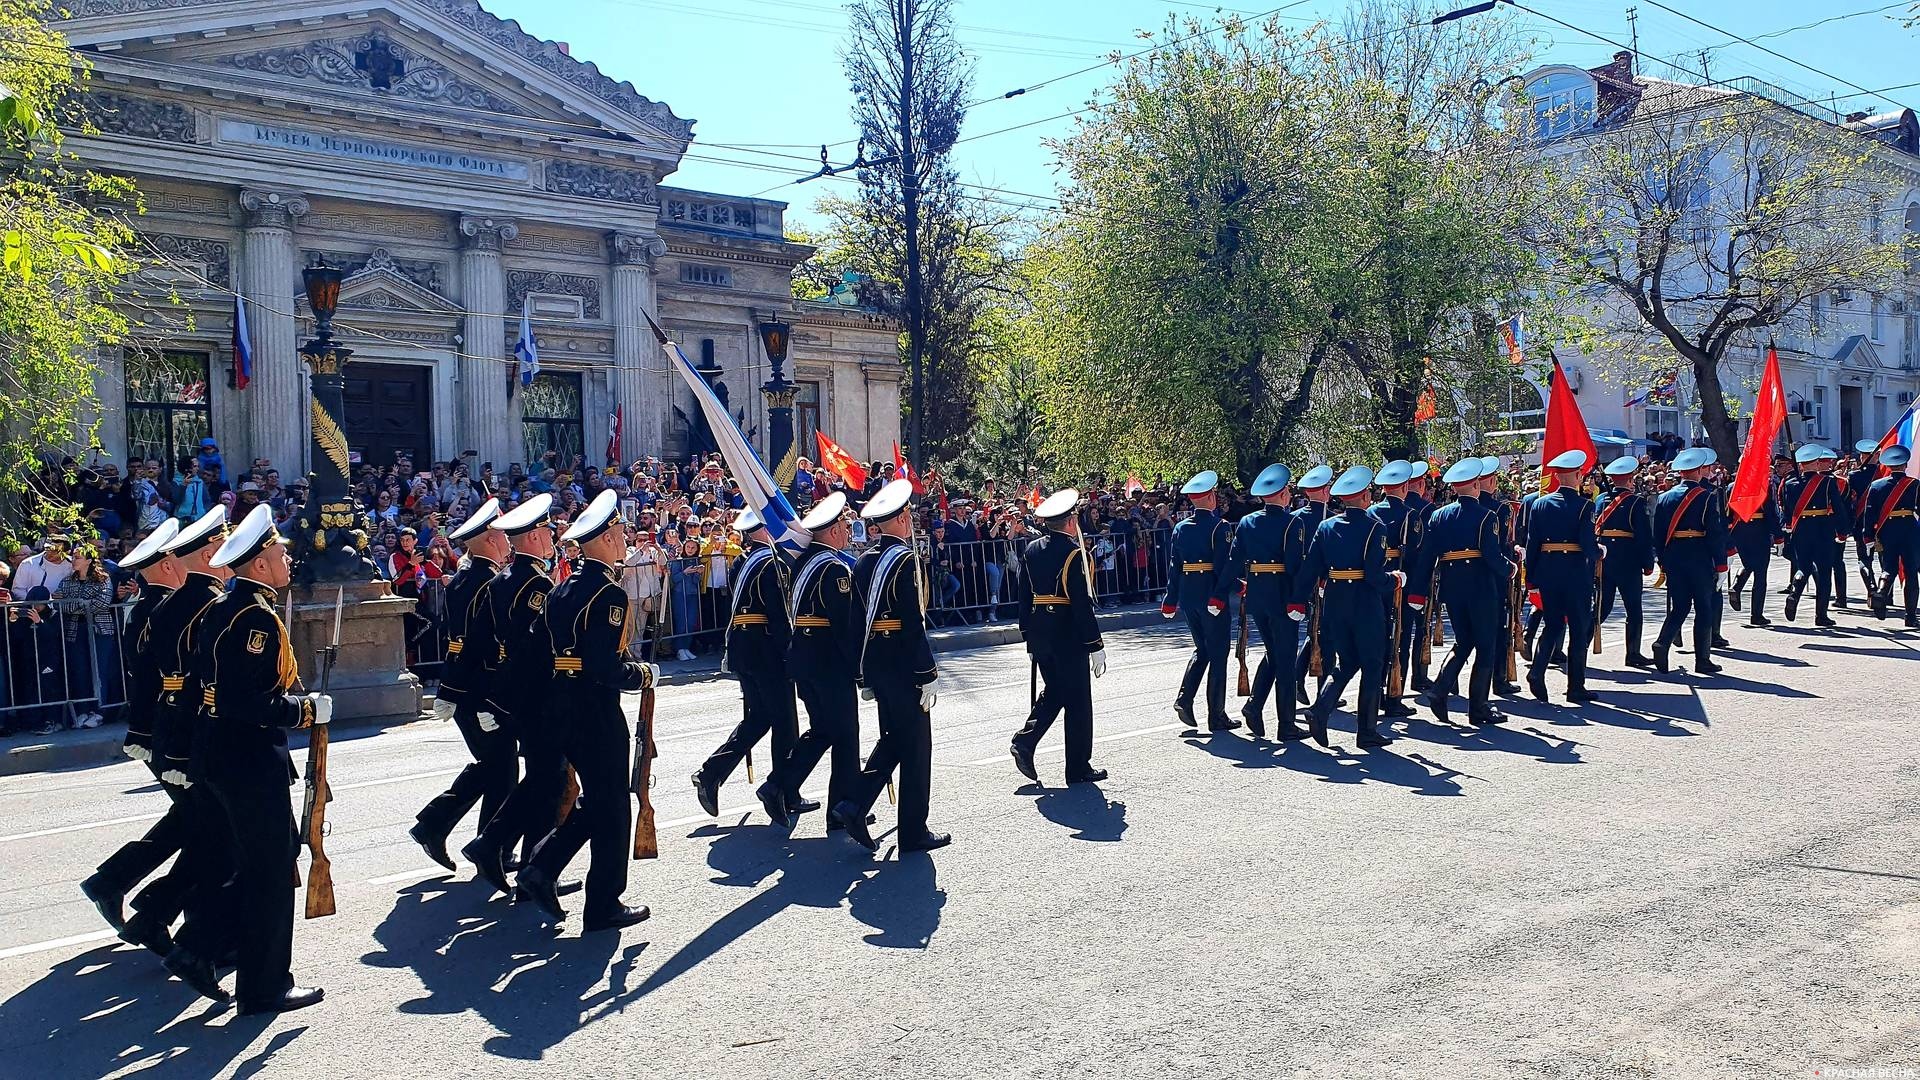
1200	575
1859	481
1348	559
1269	548
1819	518
1421	504
1690	540
1406	529
1313	487
1893	532
1562	555
1623	521
1465	563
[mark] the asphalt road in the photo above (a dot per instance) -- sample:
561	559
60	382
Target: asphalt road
1693	878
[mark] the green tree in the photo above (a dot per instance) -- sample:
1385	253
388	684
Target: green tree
1710	216
62	257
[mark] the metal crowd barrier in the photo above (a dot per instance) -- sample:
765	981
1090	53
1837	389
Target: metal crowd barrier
57	668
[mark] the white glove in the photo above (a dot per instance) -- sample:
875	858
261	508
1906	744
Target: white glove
929	694
866	693
322	708
1422	606
1603	551
1520	551
487	721
1399	577
1099	662
177	779
1297	616
442	709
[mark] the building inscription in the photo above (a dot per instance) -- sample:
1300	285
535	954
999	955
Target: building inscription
302	140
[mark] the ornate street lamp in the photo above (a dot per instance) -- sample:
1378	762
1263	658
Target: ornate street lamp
775	336
330	534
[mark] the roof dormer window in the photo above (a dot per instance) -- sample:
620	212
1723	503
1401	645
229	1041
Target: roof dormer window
1563	104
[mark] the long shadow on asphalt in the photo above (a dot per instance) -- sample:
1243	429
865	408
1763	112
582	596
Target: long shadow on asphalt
113	1009
1083	808
475	952
1847	650
1334	765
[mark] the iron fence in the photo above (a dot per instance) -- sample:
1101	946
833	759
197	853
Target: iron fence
61	664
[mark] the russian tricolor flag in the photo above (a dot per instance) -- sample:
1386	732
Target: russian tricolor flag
242	349
1901	434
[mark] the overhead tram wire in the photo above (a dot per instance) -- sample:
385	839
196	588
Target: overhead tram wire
1770	52
1831	19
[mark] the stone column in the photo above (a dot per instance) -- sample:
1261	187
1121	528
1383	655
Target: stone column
642	385
489	421
275	399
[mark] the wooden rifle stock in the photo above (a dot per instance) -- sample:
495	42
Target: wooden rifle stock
567	798
313	818
1516	636
1245	688
1316	665
646	839
1599	592
1396	672
1432	637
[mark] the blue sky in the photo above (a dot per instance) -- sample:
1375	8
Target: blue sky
756	74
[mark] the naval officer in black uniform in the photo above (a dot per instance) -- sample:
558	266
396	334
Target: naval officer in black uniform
759	630
244	663
522	674
466	689
162	900
1054	598
824	657
585	621
896	667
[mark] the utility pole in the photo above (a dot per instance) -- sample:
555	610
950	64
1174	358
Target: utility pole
905	11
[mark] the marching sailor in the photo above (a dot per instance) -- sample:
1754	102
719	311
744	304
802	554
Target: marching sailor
1892	530
1199	577
522	673
586	626
1562	553
164	898
1269	548
1055	599
244	663
897	670
1690	540
824	657
759	631
1465	565
1348	558
466	687
1623	524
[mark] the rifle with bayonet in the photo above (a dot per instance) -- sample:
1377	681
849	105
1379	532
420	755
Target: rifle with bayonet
313	813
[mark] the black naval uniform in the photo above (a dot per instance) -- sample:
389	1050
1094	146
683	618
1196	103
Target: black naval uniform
1349	558
1690	540
173	634
896	660
467	683
1625	527
1405	532
1819	517
523	674
585	622
1270	552
1892	530
1465	565
824	658
1562	552
244	663
1055	602
157	905
758	636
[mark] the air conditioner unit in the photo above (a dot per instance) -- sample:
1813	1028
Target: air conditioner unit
1906	397
1843	296
1805	409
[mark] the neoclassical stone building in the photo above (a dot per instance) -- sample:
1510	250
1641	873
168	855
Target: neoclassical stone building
461	171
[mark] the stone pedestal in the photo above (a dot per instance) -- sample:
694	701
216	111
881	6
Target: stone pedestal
370	677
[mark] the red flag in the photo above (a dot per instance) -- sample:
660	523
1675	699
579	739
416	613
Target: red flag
1756	460
1134	487
903	469
1033	498
1427	407
1566	428
839	462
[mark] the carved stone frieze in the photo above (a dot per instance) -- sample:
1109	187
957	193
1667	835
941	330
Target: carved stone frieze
522	282
373	63
214	256
420	228
421	272
144	118
272	209
592	180
485	233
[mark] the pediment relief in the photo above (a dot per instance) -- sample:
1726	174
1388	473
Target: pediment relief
381	286
376	64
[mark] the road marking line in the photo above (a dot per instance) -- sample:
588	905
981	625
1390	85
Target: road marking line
156	816
56	943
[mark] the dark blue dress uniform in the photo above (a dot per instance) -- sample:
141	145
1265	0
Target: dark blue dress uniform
1690	540
1623	522
1054	598
1200	577
823	656
1269	550
1562	553
1464	564
1406	531
1348	559
1307	520
1859	483
1753	539
1417	620
1892	530
586	626
467	683
1818	518
759	632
